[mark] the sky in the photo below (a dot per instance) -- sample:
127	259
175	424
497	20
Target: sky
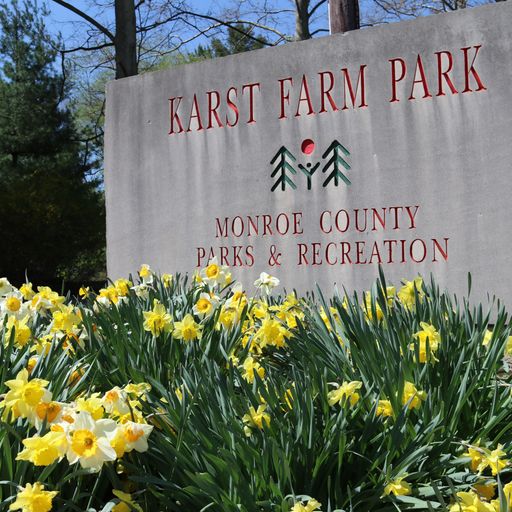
61	20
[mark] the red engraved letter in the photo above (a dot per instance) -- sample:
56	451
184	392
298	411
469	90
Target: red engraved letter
212	108
422	80
394	78
174	115
352	93
284	97
195	114
232	105
444	73
325	92
304	96
469	68
251	100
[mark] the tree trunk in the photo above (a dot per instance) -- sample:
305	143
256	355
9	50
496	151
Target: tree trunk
125	39
343	15
302	20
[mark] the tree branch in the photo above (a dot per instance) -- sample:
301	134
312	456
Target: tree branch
88	48
318	30
87	18
315	7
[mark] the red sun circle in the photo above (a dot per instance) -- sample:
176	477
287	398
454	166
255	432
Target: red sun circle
307	146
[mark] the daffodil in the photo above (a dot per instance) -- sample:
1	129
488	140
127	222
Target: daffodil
412	396
346	392
44	450
92	405
24	395
89	442
256	418
33	498
187	329
205	305
398	487
131	436
310	506
470	502
214	274
65	319
251	367
167	280
427	334
115	401
494	459
122	287
146	274
384	408
158	320
5	286
126	503
271	332
19	330
407	294
266	282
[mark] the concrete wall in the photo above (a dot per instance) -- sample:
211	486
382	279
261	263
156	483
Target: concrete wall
436	163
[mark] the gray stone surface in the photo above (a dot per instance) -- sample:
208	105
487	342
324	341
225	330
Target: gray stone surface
449	155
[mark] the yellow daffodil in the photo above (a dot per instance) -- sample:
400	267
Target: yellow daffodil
256	418
398	487
406	294
487	490
158	320
44	450
122	287
346	392
384	408
33	498
250	368
21	330
187	329
310	506
470	502
146	274
24	395
205	305
427	332
126	503
412	396
27	291
271	332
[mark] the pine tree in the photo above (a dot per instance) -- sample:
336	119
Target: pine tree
51	215
237	40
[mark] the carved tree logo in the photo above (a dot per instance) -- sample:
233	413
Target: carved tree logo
336	162
336	165
283	157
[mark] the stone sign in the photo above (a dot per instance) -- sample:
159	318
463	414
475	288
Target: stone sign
318	161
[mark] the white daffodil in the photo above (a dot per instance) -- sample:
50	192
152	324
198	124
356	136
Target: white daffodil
205	305
89	442
215	274
131	436
146	274
5	286
115	402
11	304
266	282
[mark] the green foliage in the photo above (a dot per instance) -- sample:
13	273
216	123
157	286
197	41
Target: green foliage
343	454
239	38
52	213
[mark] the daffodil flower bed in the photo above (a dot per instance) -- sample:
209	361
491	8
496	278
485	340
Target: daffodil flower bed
169	393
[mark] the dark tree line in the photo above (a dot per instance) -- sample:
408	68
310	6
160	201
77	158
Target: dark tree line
51	214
